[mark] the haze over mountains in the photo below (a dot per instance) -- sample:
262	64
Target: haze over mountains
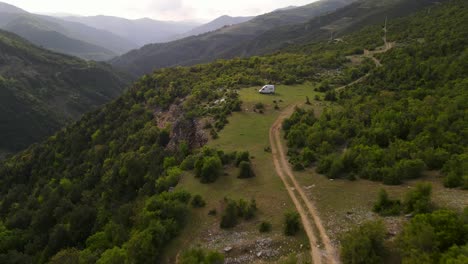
98	37
215	45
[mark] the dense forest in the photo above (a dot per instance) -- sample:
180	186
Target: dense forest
99	190
406	117
41	91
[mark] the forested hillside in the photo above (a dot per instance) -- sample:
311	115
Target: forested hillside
211	46
99	191
41	91
271	32
99	185
408	116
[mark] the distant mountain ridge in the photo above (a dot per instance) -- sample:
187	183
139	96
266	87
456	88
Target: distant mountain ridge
63	36
211	46
141	31
7	8
216	24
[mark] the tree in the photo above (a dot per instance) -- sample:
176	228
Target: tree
292	223
66	256
114	255
364	244
229	218
211	169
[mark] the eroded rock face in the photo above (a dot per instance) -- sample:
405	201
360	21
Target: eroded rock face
182	128
187	130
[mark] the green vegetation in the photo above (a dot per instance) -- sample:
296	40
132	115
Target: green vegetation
428	238
265	227
237	209
405	117
364	244
246	170
198	201
200	256
41	91
292	223
385	206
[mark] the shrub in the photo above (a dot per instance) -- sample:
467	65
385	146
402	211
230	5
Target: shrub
188	163
213	212
385	206
259	106
246	170
208	168
292	223
364	244
200	256
419	199
242	156
229	218
264	227
198	202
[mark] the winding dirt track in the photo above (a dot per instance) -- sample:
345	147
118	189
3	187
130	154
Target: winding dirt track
370	54
309	216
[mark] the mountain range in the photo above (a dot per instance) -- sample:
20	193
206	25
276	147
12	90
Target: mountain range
213	45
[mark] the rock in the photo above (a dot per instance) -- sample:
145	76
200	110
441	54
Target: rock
227	249
259	254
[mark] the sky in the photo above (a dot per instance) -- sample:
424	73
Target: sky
175	10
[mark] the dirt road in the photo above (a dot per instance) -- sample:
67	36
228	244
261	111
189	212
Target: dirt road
370	54
309	215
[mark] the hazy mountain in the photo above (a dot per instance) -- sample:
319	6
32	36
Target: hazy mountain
64	36
7	8
210	46
32	30
141	31
216	24
40	91
332	25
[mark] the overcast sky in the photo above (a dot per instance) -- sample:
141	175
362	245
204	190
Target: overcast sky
157	9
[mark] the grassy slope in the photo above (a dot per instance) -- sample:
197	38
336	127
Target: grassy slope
341	203
246	131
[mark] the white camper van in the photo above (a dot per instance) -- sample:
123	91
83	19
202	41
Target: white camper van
267	89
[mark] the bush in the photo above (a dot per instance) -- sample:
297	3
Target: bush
247	210
188	163
364	244
198	202
259	106
246	170
264	227
199	256
292	223
208	168
409	169
419	200
242	156
385	206
213	212
229	218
